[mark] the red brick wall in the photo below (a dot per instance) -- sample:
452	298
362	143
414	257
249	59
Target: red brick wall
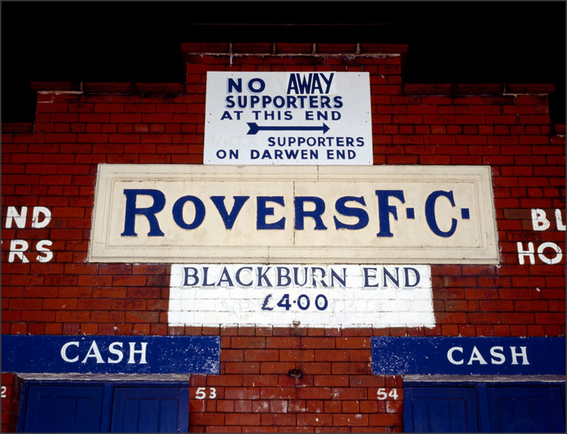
79	125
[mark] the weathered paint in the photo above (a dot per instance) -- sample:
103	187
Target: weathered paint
111	354
468	356
301	295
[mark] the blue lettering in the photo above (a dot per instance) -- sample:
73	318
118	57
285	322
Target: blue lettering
316	84
292	153
150	212
430	213
237	276
300	212
205	277
309	83
328	81
261	85
254	100
296	277
416	274
359	213
334	276
226	115
388	276
192	276
225	278
385	209
323	273
262	276
298	84
263	212
177	212
291	101
234	85
367	277
283	278
227	218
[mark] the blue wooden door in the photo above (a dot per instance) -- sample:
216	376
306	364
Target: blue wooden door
104	407
152	409
440	409
484	407
53	408
526	409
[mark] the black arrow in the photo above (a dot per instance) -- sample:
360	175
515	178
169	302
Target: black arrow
254	128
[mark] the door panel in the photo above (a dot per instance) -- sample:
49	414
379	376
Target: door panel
526	409
156	410
63	409
488	407
440	409
78	407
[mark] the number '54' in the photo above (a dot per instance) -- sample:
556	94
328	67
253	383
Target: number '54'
384	394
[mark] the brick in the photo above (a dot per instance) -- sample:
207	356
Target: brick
331	381
517	318
407	119
531	306
310	342
349	393
72	316
310	420
353	343
550	318
501	119
106	316
109	108
469	119
283	342
276	367
207	419
248	342
31	316
350	420
261	355
141	317
331	355
354	368
387	420
51	107
279	393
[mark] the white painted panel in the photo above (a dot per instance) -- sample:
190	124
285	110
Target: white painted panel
301	295
288	118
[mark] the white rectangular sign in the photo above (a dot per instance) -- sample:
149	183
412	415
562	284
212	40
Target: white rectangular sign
296	118
301	295
294	214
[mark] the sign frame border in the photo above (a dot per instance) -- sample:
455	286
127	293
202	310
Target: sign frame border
107	174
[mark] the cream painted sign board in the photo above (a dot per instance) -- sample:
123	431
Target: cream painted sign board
293	118
294	214
301	295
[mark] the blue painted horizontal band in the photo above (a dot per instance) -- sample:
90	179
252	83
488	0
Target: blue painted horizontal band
468	356
111	354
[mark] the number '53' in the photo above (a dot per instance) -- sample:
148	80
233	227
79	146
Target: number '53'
201	393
